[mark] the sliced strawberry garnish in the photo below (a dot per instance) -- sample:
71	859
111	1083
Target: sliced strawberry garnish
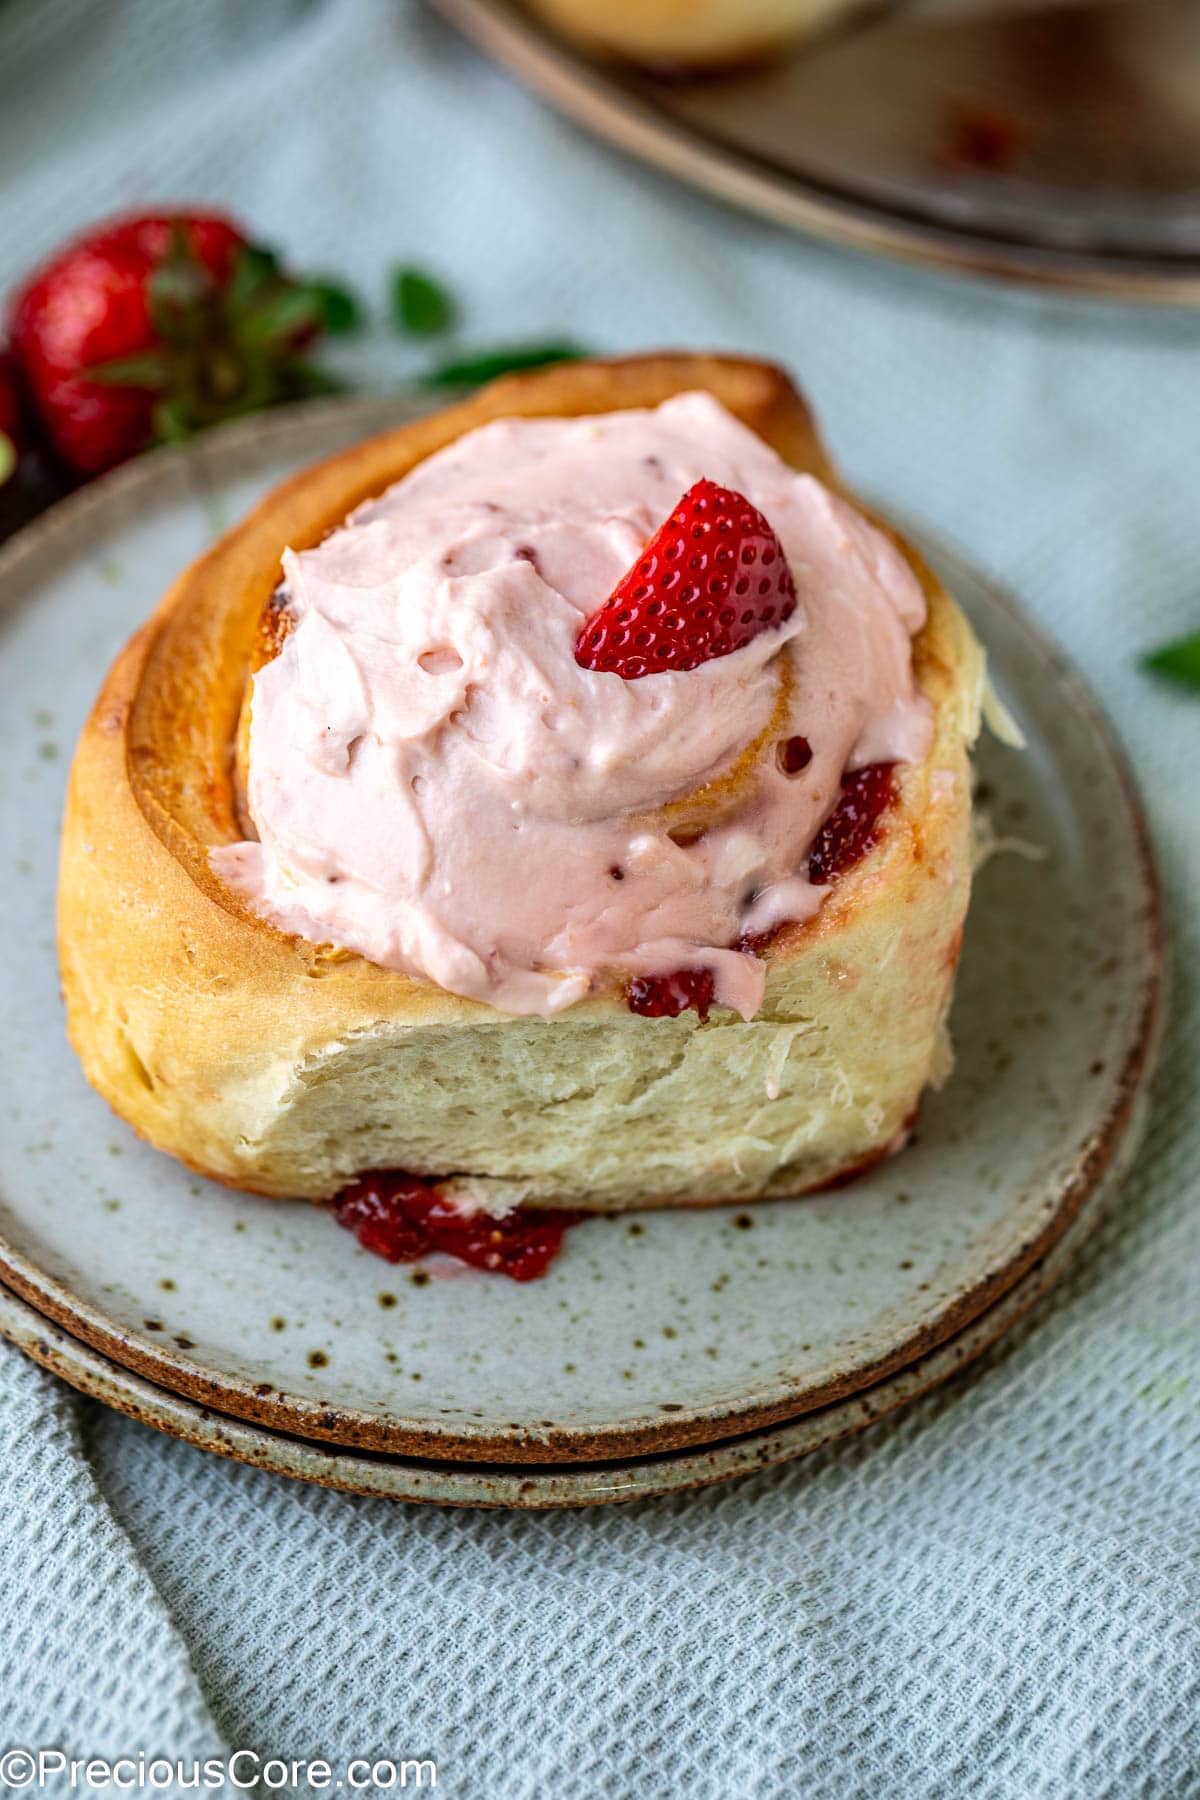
708	581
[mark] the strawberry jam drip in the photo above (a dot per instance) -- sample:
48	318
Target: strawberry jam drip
852	827
401	1218
666	996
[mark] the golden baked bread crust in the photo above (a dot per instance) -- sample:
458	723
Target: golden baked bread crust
286	1068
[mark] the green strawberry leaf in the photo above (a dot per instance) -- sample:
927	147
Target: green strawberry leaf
285	315
254	268
1178	662
485	365
149	369
420	304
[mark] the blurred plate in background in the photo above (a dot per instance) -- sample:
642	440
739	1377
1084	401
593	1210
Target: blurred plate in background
1056	143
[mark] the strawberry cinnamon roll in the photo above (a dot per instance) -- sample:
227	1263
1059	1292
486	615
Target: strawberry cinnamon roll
563	801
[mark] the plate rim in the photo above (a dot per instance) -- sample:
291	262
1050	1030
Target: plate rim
302	1416
580	90
552	1487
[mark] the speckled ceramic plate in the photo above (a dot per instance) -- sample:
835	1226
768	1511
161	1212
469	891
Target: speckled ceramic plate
650	1333
530	1485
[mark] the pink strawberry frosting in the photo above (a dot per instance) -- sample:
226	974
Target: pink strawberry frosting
436	784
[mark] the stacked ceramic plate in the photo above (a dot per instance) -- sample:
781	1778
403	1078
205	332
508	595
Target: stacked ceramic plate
660	1351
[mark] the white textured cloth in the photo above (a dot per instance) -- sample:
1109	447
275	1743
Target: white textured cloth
993	1594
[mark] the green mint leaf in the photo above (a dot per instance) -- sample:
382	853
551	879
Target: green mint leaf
485	365
8	458
340	309
420	304
1178	661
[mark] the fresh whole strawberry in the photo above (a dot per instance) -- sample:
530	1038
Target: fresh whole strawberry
152	327
708	581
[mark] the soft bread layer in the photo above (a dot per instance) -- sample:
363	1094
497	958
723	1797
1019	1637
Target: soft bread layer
287	1068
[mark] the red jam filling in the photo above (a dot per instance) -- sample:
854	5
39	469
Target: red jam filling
852	827
666	996
401	1218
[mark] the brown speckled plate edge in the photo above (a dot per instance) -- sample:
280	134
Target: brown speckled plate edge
528	1486
298	1415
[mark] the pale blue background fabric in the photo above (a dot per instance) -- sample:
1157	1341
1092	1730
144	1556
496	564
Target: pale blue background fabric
995	1594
